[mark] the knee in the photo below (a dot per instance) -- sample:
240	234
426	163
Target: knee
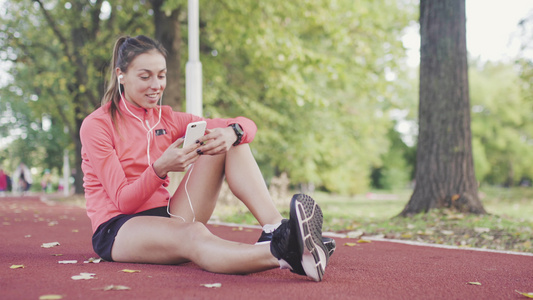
197	233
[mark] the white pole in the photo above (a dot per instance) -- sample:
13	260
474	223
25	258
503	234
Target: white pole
193	70
66	174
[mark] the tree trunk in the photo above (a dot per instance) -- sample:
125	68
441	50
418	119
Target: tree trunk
168	32
445	169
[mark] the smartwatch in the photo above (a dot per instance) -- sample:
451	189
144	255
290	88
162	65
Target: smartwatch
238	131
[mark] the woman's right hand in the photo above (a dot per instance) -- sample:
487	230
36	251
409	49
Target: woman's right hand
176	159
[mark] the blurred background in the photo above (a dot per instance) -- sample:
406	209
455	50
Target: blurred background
332	85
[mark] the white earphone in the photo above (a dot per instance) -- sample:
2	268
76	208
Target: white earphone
148	135
145	126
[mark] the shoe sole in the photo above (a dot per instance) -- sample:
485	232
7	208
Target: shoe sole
308	217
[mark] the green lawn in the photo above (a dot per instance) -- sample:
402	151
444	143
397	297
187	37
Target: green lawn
507	226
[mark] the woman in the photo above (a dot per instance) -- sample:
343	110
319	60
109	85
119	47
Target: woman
130	144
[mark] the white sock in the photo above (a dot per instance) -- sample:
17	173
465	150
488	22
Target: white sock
268	228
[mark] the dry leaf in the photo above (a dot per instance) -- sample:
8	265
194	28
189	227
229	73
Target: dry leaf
50	245
355	234
83	276
116	288
474	283
68	261
50	297
529	295
350	244
17	267
130	271
93	260
212	285
364	241
481	229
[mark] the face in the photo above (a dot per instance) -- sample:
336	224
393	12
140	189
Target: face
145	80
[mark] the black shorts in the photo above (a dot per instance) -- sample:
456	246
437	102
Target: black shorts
104	237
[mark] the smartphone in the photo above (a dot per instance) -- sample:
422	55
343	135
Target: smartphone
195	130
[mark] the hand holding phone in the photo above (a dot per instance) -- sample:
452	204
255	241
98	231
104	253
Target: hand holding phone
195	130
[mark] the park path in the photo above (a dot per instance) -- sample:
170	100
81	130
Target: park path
357	270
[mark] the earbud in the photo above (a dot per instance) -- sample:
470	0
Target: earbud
120	76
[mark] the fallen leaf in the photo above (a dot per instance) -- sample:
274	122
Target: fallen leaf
93	260
529	295
83	276
355	234
481	229
116	288
130	271
50	297
49	245
237	228
17	267
212	285
364	241
474	283
350	244
68	261
57	254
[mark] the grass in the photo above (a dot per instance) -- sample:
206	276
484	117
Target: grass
508	225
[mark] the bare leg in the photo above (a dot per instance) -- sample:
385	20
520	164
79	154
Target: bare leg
170	240
244	179
160	240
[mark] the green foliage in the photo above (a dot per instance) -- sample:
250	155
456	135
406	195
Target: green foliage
397	165
501	125
315	87
313	75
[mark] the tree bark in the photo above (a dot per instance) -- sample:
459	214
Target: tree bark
445	170
168	32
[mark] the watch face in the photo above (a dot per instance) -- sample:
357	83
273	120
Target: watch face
238	129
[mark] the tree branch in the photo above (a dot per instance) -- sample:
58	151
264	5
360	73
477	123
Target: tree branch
55	28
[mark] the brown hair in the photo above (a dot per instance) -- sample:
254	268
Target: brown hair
125	51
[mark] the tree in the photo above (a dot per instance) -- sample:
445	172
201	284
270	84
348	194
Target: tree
316	86
501	127
444	165
60	52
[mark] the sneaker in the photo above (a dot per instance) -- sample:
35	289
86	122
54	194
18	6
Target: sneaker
266	237
297	242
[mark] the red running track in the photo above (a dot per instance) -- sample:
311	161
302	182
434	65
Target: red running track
375	270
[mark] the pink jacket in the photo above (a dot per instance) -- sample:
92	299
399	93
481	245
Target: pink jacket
117	178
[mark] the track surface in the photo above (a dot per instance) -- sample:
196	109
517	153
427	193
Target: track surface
374	270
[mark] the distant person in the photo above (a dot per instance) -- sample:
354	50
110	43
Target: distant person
22	179
132	142
46	181
4	182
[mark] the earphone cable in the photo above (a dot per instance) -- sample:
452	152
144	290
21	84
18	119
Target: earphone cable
188	198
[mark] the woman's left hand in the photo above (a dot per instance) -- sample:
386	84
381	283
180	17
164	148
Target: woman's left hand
217	140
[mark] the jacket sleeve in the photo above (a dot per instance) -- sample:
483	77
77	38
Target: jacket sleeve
248	126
